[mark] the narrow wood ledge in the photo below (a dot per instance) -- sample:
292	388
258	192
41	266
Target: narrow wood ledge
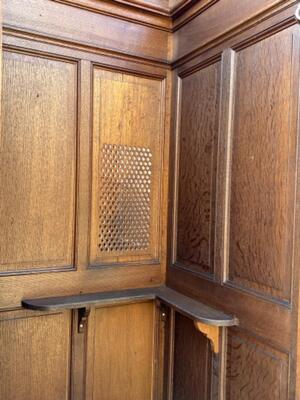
191	308
206	319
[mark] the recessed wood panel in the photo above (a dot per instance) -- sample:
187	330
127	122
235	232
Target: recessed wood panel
126	168
255	371
35	355
263	167
37	163
192	362
197	167
123	352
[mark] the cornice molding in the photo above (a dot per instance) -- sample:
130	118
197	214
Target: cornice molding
185	48
165	18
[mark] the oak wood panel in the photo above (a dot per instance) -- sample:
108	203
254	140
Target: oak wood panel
255	371
87	28
197	169
269	117
257	316
192	362
38	162
127	160
15	288
263	168
123	352
217	21
35	356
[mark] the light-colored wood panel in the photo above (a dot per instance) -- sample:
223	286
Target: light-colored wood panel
123	352
197	168
127	161
37	162
35	356
263	168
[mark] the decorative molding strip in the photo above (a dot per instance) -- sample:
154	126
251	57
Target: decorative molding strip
286	8
13	32
167	19
161	26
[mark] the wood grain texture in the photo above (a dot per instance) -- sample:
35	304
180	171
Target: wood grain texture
192	362
197	167
263	168
37	164
35	356
86	28
255	370
127	160
126	11
219	21
123	352
14	288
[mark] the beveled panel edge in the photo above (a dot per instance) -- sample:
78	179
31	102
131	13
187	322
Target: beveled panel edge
174	260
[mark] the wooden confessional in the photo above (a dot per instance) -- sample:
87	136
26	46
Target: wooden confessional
150	200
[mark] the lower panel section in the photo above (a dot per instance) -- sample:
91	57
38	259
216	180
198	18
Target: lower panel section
192	362
255	371
34	356
123	352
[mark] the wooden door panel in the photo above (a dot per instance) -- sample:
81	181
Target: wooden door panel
34	356
123	352
37	163
126	168
197	167
255	370
263	168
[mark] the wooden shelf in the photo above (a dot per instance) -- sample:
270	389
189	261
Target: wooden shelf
191	308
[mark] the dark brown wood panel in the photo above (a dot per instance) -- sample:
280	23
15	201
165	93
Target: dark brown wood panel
223	19
127	162
35	355
123	352
255	371
192	362
37	163
263	168
197	166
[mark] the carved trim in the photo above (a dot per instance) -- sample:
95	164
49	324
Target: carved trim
212	333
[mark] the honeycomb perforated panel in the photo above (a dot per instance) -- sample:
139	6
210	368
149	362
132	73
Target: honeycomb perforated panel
125	198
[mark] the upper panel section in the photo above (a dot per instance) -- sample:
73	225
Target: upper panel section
126	184
83	24
37	163
197	149
263	166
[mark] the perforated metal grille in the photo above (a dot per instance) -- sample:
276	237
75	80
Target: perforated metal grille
125	198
